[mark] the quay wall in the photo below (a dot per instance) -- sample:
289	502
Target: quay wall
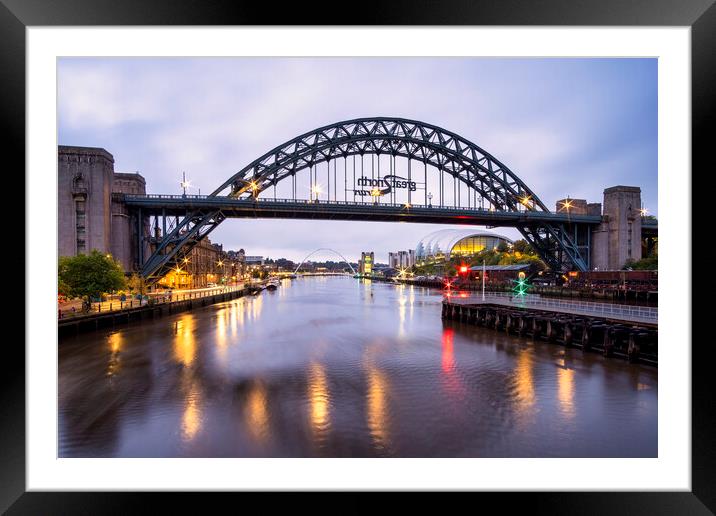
636	342
96	321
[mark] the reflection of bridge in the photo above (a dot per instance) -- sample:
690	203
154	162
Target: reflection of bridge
471	187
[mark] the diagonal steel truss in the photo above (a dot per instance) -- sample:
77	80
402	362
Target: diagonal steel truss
411	139
432	145
175	246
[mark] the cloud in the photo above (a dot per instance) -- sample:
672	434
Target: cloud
565	127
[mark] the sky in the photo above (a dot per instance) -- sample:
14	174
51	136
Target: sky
566	127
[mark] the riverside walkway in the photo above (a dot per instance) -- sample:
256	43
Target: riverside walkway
627	313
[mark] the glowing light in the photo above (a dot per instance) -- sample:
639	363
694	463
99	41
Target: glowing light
567	204
524	381
377	405
184	342
565	391
463	269
407	205
524	200
375	192
191	419
643	212
257	413
319	397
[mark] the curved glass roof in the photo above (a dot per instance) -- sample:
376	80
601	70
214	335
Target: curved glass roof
443	240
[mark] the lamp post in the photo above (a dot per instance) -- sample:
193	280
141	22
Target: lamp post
483	280
430	199
220	263
184	183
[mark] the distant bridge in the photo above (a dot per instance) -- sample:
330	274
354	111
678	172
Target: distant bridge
483	192
325	249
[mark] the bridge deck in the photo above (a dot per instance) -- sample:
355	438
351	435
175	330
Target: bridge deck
345	210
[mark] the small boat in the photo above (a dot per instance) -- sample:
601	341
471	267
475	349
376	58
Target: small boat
272	285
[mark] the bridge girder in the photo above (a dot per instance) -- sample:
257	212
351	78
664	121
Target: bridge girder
410	139
398	137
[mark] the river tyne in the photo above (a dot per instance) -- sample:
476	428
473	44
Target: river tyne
338	367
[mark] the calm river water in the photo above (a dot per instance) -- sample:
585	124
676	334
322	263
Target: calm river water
336	367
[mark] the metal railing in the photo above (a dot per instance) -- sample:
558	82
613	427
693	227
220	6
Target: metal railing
384	204
118	305
646	313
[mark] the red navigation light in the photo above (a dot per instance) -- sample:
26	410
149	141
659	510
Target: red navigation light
447	284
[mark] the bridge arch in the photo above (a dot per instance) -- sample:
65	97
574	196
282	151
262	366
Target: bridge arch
561	242
325	249
412	139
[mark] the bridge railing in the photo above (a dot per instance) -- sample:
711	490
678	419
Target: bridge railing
401	205
116	304
301	201
646	313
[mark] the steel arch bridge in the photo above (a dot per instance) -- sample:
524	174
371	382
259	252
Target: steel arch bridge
325	249
493	194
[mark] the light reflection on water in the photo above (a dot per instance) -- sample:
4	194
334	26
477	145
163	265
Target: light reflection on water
339	367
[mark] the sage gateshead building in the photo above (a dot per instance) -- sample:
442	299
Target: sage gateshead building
442	244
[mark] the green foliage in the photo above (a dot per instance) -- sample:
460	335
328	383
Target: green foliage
90	275
523	247
136	283
521	252
63	288
650	263
259	274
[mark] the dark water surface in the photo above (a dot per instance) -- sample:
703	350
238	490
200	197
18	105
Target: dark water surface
331	366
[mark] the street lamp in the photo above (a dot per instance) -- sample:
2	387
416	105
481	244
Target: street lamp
430	199
567	204
220	263
184	183
315	189
254	189
524	200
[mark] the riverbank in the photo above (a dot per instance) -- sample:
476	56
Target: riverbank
623	297
97	320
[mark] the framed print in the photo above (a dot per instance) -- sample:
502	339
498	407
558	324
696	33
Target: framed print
384	256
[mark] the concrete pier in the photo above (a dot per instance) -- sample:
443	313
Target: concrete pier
636	341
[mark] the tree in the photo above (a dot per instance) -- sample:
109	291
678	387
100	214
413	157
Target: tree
89	276
136	283
523	246
63	288
650	263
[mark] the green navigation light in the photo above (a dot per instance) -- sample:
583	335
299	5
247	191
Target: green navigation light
520	289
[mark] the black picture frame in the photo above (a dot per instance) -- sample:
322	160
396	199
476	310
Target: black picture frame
17	15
